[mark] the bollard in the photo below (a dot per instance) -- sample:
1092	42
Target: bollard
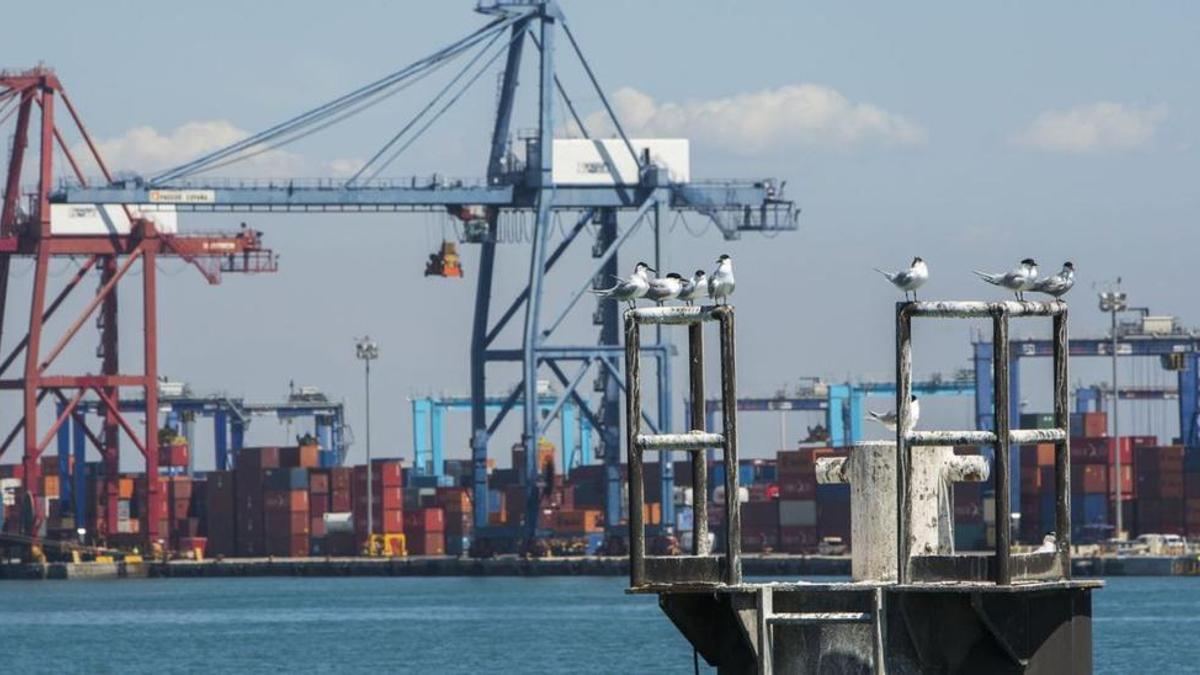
870	470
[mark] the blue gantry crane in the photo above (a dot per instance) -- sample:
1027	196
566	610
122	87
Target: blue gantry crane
429	424
1178	352
611	176
231	416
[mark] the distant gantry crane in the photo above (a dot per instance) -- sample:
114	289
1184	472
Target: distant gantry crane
591	180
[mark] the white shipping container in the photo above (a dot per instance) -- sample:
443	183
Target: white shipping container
797	512
579	161
719	495
339	523
989	510
684	519
103	220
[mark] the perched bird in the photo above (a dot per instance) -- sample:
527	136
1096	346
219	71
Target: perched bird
629	290
1057	284
1020	279
694	288
1049	544
665	288
888	419
909	280
721	283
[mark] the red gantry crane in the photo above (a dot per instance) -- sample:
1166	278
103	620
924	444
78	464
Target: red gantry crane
111	241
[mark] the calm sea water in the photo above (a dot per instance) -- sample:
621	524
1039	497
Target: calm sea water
468	625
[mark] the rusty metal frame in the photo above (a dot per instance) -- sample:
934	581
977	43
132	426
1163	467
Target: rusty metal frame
1005	567
701	567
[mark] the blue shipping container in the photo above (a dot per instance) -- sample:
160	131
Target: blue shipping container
833	493
970	537
1095	509
746	474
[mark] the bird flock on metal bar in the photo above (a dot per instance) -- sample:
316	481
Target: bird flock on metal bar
1021	279
642	284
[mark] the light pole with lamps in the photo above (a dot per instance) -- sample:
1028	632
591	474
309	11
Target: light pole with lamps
1114	301
366	350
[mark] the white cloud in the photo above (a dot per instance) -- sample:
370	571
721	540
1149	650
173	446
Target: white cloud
1095	127
145	150
753	122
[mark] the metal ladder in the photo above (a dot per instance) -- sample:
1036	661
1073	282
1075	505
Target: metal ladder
769	619
702	567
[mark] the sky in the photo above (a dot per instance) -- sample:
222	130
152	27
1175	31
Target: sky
970	134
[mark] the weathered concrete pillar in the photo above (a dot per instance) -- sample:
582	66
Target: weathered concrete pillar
870	470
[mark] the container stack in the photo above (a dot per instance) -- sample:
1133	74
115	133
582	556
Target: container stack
387	498
455	503
425	531
797	485
286	524
1161	506
220	527
249	514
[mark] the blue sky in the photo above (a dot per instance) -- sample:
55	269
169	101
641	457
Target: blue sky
971	134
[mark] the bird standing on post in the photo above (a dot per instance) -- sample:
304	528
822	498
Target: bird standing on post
909	280
694	288
721	283
665	288
1057	285
1020	279
629	290
888	419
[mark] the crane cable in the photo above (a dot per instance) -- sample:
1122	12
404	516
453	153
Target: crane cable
428	106
444	108
305	133
333	107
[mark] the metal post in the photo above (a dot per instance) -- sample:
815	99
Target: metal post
1003	505
79	442
1062	449
150	373
699	457
733	507
1116	412
610	401
221	439
633	423
367	351
903	397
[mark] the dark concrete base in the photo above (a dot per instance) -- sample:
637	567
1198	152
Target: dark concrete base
1035	628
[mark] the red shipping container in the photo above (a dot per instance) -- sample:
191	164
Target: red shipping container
316	526
188	544
432	543
798	486
425	520
285	524
1095	424
1089	450
254	460
175	455
387	472
303	456
1095	479
293	501
391	522
798	539
340	503
318	482
295	546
